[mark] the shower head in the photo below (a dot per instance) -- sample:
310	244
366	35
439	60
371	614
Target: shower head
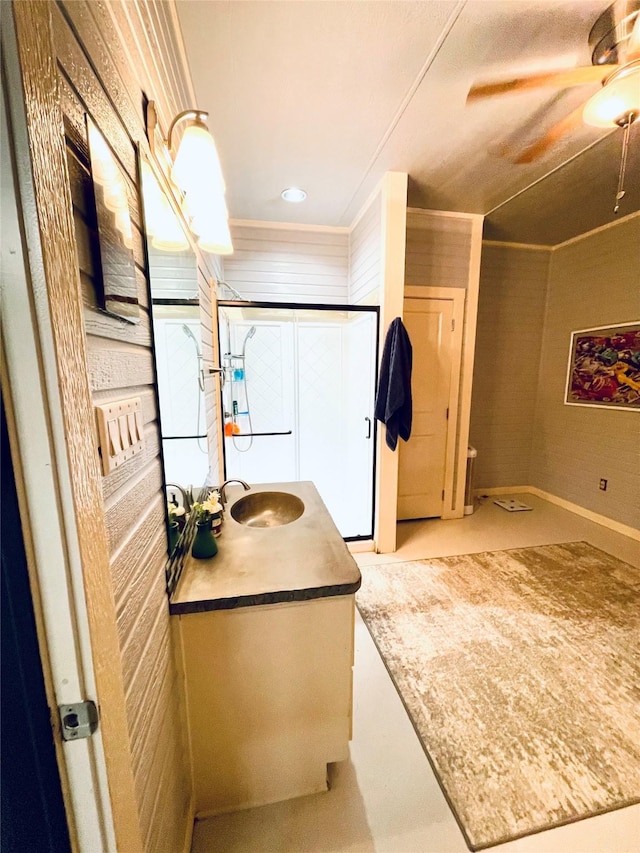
249	334
189	333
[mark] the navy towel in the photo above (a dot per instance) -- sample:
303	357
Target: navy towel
393	401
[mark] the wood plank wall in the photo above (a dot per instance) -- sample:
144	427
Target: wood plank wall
174	275
365	255
281	264
438	250
105	54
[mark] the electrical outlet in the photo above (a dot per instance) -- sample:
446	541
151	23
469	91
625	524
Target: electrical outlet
603	485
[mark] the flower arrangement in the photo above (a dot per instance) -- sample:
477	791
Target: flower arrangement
209	507
176	514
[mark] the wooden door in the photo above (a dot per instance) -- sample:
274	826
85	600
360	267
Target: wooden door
422	462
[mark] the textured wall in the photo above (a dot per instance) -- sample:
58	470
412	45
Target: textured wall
593	282
508	342
276	264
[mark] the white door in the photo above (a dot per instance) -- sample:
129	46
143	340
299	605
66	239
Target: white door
421	477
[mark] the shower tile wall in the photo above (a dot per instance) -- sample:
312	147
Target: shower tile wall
321	412
271	406
178	372
270	386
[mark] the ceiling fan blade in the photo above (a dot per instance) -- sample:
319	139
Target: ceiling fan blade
561	79
569	122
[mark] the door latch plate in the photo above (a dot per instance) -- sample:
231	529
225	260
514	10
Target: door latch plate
78	720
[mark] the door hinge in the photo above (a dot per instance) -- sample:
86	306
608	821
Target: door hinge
443	494
453	325
78	720
447	416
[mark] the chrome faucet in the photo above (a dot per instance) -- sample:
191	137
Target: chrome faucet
223	494
186	499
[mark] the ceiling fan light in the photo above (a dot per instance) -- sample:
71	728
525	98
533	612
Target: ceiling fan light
617	98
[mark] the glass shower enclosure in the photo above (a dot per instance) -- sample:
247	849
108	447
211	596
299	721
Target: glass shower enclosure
298	397
177	329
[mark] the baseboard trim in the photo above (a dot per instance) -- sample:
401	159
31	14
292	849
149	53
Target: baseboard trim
361	546
611	523
502	490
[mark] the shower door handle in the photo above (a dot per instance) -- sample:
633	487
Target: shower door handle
368	420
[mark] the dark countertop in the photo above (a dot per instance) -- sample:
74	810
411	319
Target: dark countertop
300	561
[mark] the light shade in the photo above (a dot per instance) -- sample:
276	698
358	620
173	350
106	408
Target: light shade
161	222
197	173
209	221
619	97
197	160
218	242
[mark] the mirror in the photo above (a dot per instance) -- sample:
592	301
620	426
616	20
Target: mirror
178	350
119	292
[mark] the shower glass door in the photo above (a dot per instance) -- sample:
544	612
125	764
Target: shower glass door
298	402
176	331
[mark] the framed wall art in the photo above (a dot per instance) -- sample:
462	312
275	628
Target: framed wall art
604	367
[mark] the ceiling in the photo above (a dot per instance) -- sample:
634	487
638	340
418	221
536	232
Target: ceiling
330	94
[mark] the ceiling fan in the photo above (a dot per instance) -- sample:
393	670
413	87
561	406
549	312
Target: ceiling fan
615	43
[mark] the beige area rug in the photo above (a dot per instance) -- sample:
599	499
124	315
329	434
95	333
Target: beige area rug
520	672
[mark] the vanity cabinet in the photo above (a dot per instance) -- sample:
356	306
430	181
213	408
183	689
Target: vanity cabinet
268	693
264	635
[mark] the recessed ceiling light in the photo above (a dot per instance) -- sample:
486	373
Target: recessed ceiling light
293	194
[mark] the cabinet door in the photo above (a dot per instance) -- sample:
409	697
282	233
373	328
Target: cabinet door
268	698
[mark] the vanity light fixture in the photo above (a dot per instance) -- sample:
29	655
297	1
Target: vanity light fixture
293	194
196	173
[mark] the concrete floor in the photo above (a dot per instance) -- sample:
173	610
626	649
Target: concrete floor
386	797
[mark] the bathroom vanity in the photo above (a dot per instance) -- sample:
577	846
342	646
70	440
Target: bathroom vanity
265	638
